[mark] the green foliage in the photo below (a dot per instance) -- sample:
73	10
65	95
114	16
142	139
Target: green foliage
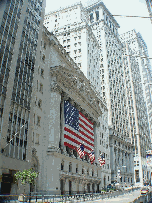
26	176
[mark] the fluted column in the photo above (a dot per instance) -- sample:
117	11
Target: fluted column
54	114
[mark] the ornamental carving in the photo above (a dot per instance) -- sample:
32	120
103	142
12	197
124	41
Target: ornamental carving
54	87
77	86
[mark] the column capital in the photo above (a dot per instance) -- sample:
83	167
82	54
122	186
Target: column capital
54	87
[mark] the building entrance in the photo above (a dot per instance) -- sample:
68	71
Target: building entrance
70	187
7	179
62	187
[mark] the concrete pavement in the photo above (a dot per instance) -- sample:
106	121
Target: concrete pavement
121	198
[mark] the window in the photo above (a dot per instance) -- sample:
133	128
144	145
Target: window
44	45
38	120
97	15
34	118
82	170
41	88
40	103
42	73
37	139
62	165
70	167
37	84
33	138
91	17
79	64
43	58
77	168
35	101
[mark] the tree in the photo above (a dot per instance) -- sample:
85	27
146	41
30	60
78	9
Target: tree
26	177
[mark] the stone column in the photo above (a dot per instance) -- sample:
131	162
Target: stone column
95	142
54	119
66	185
62	122
0	174
54	114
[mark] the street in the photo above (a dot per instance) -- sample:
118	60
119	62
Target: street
121	198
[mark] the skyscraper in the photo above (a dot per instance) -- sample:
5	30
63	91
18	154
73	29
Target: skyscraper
105	28
20	35
138	82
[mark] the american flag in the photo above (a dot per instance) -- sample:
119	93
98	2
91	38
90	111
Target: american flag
81	151
101	159
92	157
77	129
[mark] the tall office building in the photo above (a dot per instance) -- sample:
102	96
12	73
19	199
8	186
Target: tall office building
111	87
20	36
149	6
105	29
71	28
138	81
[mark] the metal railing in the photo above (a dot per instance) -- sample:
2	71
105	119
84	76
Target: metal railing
43	197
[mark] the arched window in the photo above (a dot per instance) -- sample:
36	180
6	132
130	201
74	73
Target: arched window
91	17
62	165
97	15
70	167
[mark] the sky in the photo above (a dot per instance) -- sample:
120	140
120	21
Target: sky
119	7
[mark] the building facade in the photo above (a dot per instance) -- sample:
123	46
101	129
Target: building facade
138	80
21	23
111	87
61	169
72	30
105	29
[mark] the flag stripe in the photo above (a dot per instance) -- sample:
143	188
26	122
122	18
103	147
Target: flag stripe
75	142
87	136
85	129
86	118
81	135
91	128
77	129
74	138
70	146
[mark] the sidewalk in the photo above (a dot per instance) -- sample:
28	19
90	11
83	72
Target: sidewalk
121	199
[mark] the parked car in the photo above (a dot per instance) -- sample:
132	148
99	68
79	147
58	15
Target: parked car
144	191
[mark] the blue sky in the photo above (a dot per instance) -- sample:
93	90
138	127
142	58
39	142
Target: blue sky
119	7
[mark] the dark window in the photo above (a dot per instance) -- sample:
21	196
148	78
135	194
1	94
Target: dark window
91	17
97	15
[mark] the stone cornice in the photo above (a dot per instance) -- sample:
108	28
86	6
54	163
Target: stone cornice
56	152
100	3
75	84
65	8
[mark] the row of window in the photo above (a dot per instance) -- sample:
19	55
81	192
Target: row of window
83	170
